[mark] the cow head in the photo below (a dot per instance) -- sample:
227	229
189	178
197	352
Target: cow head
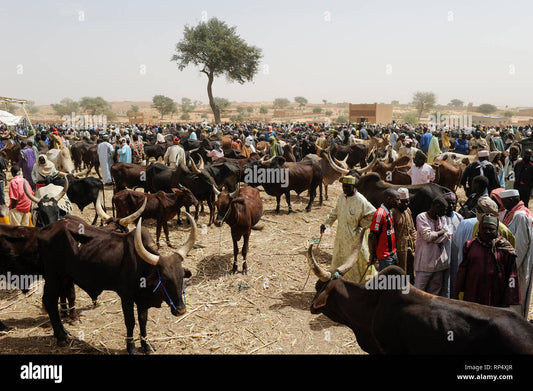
169	270
47	210
326	279
185	196
123	222
223	204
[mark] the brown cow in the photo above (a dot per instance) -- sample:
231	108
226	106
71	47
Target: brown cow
241	210
447	174
128	175
422	323
394	172
160	206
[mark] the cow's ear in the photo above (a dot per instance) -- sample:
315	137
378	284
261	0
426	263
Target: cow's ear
187	273
176	190
322	298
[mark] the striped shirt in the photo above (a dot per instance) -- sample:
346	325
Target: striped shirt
383	225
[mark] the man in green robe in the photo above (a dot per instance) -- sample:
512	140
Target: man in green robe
353	213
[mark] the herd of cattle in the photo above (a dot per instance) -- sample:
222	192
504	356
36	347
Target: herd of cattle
68	251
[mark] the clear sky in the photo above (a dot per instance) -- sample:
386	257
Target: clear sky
341	51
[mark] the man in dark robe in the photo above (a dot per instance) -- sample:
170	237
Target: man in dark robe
488	274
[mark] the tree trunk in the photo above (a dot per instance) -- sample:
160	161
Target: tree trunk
214	107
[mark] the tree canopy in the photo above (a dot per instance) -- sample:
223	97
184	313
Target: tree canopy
218	50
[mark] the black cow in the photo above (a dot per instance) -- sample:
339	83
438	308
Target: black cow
390	316
303	175
96	259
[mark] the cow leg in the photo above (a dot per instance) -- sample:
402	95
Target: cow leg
326	191
178	220
158	234
129	320
50	299
278	200
245	252
235	253
288	199
312	195
165	228
142	316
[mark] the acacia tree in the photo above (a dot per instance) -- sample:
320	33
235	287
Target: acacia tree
218	50
423	101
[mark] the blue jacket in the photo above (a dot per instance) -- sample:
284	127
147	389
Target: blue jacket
461	146
424	141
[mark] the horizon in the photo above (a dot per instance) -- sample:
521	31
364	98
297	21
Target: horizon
339	51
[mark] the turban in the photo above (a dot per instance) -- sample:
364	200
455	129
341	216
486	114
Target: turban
509	193
348	179
176	140
483	153
420	155
486	205
404	193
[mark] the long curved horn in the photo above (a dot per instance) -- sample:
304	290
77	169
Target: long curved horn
125	221
29	195
370	165
147	256
99	210
354	256
64	191
201	164
184	250
340	170
193	150
217	192
322	274
194	168
234	193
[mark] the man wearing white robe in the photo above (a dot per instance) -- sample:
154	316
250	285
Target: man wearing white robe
519	220
106	154
353	213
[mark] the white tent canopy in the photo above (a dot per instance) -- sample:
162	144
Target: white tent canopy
9	119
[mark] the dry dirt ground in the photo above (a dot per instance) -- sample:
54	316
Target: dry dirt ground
264	312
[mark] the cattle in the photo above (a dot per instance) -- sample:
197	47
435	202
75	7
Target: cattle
77	150
156	151
356	154
199	182
91	160
160	206
241	162
420	196
19	255
62	160
128	175
126	263
226	174
423	323
11	152
241	210
330	173
447	174
84	191
298	177
50	203
394	172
